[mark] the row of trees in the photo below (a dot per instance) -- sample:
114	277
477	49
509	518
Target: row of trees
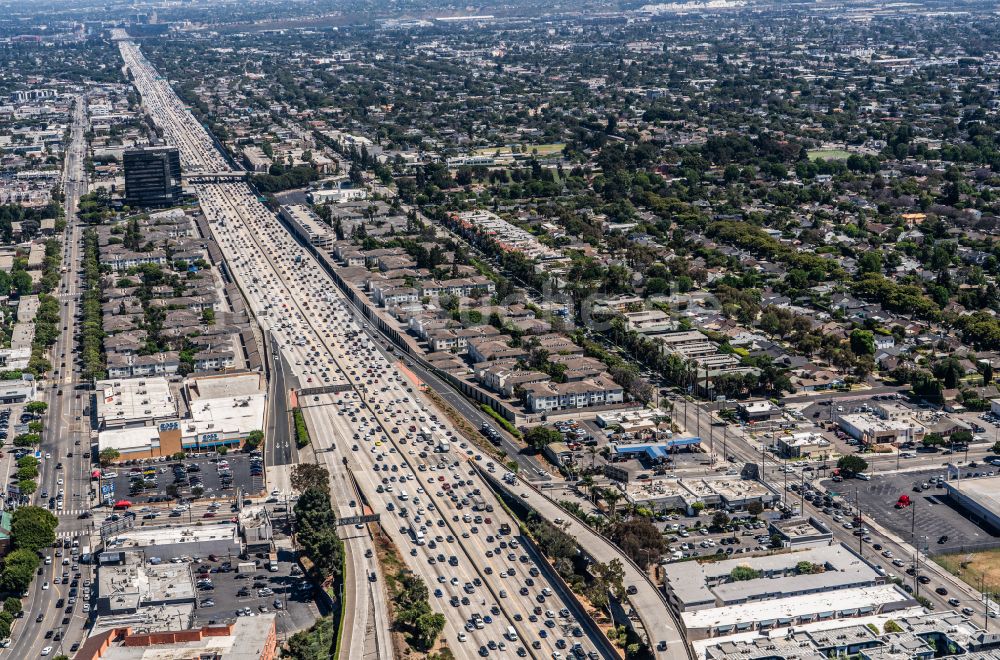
91	326
317	533
47	330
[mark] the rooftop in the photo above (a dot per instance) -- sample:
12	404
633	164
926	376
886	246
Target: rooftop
133	400
828	604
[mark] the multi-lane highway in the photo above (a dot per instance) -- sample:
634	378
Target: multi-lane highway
380	429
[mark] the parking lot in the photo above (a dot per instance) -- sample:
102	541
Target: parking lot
234	594
933	519
218	476
741	536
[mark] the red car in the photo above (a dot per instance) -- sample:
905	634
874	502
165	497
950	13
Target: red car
209	514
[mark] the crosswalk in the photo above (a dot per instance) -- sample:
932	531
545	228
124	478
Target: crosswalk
69	534
65	513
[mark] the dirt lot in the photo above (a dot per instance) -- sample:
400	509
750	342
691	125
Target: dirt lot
975	569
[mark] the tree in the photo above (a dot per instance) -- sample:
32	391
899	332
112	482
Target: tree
12	605
698	507
720	520
640	539
310	475
960	437
254	439
427	627
541	436
108	456
33	528
316	642
852	464
18	570
870	262
932	440
612	576
755	508
862	342
743	573
996	447
36	407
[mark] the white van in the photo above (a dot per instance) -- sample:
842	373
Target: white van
863	477
402	495
511	634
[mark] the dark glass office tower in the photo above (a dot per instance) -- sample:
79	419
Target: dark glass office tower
152	176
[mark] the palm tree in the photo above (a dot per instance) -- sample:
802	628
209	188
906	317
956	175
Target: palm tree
612	497
592	450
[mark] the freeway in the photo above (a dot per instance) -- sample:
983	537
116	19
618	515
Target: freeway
295	297
314	328
528	465
66	430
663	630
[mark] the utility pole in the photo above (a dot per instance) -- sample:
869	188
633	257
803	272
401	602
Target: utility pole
857	505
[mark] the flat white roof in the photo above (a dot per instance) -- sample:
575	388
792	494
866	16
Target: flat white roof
139	438
824	604
701	646
238	414
154	536
134	399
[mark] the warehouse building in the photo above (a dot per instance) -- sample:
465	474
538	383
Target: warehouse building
979	497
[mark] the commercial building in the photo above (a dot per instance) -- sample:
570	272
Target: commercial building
979	497
672	494
161	544
152	176
126	583
756	411
870	429
919	635
803	445
222	410
814	569
308	226
245	638
18	391
336	195
799	532
132	402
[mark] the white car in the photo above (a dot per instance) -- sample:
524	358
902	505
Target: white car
47	650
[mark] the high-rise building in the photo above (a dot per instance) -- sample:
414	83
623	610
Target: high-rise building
152	176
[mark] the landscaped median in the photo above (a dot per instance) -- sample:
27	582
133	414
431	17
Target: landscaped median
323	558
301	430
416	627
